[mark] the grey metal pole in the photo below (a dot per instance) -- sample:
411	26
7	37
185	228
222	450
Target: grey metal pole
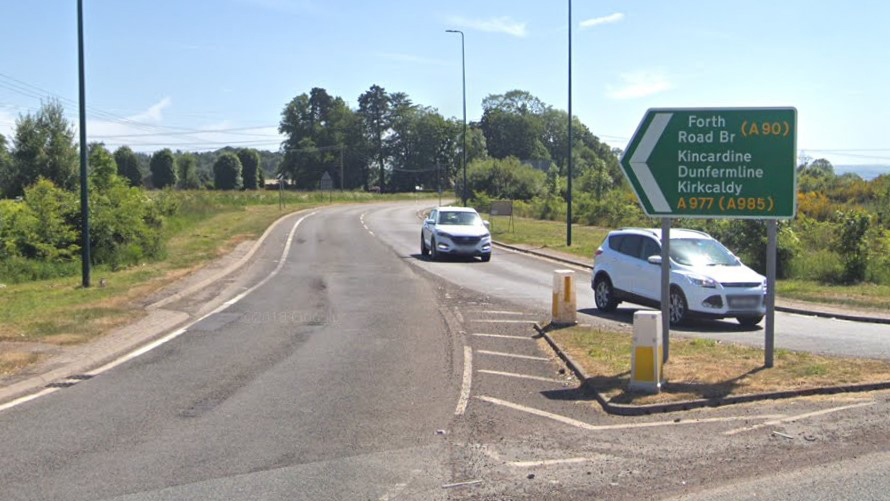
569	187
665	285
770	327
341	167
84	189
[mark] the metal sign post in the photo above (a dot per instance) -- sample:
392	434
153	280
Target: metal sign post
728	163
665	285
327	184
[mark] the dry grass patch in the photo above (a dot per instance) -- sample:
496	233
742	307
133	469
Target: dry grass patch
705	368
14	361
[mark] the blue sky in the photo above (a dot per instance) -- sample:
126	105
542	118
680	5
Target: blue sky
167	66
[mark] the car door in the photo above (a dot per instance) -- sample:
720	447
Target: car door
648	276
625	266
428	226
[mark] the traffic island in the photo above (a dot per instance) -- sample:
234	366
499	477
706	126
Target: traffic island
705	372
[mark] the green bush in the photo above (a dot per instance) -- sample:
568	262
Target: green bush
823	265
850	242
505	179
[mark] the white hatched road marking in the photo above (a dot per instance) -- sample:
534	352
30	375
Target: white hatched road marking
521	376
501	312
550	462
503	336
587	426
466	382
785	419
511	355
499	321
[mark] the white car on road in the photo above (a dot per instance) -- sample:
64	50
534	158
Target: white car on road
707	280
457	231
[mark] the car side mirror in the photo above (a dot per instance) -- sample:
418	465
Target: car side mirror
487	224
429	220
654	260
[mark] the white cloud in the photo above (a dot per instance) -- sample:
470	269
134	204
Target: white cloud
410	58
503	24
596	21
153	113
639	84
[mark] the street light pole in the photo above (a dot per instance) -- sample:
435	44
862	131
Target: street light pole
463	67
569	187
84	193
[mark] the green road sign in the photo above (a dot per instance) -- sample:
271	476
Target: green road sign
715	162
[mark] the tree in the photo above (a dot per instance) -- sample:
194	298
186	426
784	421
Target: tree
187	168
373	107
163	169
227	172
43	148
250	162
128	165
103	170
5	165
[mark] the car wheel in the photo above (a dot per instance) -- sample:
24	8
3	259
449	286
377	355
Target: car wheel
486	257
750	321
434	254
423	249
679	309
604	295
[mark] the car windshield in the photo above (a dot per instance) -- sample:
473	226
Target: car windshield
459	218
701	252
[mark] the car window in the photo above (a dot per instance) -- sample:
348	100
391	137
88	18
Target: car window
631	245
649	248
615	242
701	252
459	218
434	214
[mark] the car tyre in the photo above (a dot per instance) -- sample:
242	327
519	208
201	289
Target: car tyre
434	253
749	321
424	251
604	295
678	307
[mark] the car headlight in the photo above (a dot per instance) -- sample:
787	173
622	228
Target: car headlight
443	234
702	281
487	235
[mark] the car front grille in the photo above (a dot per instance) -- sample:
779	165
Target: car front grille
744	301
740	285
466	240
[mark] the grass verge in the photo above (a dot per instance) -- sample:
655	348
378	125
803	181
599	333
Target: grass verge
705	368
205	226
871	296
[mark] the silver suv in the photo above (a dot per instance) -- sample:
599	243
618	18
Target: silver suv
456	231
707	280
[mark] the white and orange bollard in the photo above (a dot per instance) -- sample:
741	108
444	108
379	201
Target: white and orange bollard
646	372
564	310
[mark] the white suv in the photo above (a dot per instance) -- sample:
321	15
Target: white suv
457	231
707	280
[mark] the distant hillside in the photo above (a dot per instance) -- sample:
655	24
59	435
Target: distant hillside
867	172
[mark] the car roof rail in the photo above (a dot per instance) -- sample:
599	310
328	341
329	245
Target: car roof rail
647	230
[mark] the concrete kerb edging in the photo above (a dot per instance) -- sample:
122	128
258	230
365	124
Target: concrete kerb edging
685	405
784	309
172	321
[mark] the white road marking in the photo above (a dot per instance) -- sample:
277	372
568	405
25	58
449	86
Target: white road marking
586	426
362	217
394	492
465	383
230	302
27	398
549	462
785	419
503	336
521	376
500	312
504	321
371	232
511	355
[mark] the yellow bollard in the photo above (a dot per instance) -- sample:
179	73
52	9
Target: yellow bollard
646	365
564	310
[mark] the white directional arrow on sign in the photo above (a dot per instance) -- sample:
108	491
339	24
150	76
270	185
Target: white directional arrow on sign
639	162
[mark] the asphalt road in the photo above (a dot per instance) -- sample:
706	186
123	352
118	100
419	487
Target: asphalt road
527	281
358	370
